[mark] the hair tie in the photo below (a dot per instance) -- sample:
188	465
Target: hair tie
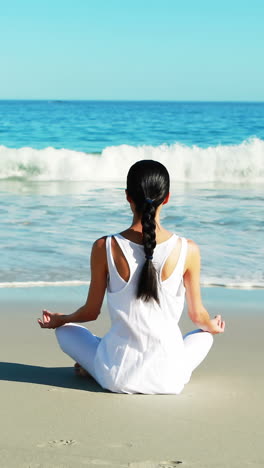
148	200
149	257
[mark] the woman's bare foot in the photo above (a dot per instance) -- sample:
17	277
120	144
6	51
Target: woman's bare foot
80	371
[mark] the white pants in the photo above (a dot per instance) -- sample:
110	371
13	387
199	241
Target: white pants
81	345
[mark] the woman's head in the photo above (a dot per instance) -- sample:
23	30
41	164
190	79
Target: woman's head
148	182
148	185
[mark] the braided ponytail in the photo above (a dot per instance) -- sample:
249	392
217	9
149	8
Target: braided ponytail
147	286
148	186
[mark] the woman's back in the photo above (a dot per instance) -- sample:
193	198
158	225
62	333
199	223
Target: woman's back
162	235
144	342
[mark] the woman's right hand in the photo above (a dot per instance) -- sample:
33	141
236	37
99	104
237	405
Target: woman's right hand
217	325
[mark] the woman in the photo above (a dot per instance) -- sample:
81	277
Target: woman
146	271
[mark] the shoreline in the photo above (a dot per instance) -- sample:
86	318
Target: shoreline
50	418
76	283
76	293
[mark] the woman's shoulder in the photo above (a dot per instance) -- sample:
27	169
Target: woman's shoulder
193	247
192	255
99	246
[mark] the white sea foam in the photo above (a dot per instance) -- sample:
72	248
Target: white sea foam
243	163
206	284
232	285
42	284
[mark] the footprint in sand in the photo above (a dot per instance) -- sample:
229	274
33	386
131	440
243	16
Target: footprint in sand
54	389
58	443
152	464
169	464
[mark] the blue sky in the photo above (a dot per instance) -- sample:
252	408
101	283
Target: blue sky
140	49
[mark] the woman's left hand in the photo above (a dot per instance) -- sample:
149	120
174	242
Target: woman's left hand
51	320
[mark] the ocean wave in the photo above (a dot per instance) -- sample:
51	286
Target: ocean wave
205	284
42	284
242	163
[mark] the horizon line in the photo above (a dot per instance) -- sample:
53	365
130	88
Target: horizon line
133	100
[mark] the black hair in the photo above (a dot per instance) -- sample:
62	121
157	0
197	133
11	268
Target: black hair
148	184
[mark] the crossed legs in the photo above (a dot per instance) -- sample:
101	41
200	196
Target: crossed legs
197	344
81	345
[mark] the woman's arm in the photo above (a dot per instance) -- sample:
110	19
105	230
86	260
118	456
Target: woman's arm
91	309
196	310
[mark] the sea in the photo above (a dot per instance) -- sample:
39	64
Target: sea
63	167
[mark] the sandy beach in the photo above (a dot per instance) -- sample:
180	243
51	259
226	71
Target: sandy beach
51	418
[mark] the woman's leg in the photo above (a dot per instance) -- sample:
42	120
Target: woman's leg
80	344
197	344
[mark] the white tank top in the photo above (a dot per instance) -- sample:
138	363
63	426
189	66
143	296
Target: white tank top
143	351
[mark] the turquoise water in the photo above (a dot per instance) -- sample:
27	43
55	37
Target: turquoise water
91	126
62	178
